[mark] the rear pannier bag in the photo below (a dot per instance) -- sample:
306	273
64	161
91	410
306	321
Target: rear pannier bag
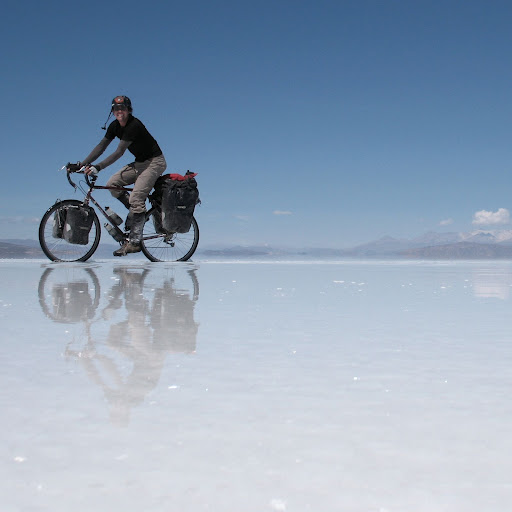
78	224
176	196
157	217
156	210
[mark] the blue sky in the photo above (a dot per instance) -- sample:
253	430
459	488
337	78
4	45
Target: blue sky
310	123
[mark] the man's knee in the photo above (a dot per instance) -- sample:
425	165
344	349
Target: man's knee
137	206
113	182
116	193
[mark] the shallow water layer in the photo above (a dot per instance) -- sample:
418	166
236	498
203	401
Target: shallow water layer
251	386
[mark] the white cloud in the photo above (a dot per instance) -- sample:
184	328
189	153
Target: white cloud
446	222
281	212
485	218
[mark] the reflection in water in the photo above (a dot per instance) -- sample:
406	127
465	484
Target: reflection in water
69	300
149	314
494	283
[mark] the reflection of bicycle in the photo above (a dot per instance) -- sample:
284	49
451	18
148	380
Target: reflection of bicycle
127	332
69	296
72	294
156	245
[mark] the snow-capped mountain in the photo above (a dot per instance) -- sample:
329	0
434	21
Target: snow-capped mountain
481	236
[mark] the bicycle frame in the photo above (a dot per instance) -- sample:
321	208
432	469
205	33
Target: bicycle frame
91	183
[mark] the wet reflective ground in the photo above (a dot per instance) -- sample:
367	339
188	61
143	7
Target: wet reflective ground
238	386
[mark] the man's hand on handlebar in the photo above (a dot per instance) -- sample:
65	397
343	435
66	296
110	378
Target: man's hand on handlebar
91	171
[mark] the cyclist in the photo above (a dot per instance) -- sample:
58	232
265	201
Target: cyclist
149	164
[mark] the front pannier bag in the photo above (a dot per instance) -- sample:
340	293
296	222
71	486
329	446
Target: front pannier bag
177	196
59	219
78	224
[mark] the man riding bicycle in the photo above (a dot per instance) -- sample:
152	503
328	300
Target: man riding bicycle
149	164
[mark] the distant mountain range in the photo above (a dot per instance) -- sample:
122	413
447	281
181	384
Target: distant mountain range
20	249
431	245
30	249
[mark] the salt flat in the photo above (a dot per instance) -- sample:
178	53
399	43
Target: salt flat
255	386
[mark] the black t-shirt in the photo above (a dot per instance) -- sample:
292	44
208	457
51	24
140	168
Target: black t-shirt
143	146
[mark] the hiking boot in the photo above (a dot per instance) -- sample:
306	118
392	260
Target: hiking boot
134	224
128	222
127	248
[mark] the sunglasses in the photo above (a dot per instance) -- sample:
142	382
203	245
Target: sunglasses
115	108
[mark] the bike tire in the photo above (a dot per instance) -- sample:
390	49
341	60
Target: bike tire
175	247
57	248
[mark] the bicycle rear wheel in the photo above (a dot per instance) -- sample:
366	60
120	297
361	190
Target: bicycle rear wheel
175	247
51	239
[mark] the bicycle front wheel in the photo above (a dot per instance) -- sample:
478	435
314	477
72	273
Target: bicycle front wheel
174	247
51	238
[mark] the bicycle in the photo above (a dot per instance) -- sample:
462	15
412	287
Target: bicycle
155	244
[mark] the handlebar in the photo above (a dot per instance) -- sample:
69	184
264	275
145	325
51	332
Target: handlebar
73	167
80	169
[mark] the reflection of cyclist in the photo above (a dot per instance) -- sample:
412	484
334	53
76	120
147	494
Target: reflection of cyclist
132	338
149	164
156	319
171	329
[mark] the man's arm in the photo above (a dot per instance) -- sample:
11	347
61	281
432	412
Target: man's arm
116	155
97	151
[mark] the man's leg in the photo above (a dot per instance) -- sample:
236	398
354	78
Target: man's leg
125	176
125	199
147	174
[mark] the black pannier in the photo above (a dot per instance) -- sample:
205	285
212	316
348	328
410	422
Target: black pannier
174	200
59	219
78	224
157	217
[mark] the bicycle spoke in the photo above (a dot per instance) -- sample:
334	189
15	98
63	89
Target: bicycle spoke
175	247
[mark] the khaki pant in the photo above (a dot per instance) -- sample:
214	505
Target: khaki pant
142	175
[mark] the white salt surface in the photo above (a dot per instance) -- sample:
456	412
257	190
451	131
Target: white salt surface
228	387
